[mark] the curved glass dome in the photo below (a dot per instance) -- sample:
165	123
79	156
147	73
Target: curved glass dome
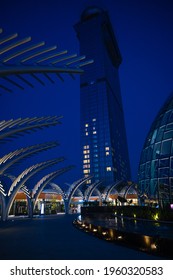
156	163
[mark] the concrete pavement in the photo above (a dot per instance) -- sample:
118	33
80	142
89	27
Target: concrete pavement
54	237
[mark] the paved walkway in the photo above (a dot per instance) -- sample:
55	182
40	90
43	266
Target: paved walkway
54	237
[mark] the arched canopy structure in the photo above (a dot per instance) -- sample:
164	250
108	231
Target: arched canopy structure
14	127
117	186
24	176
21	56
14	157
91	189
72	190
45	180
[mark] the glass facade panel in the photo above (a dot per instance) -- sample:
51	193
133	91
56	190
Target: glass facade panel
166	147
160	133
168	134
156	152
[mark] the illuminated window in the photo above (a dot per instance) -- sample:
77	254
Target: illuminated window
86	151
94	120
86	147
86	125
107	153
106	148
94	132
88	182
86	161
108	168
86	166
86	156
86	133
86	171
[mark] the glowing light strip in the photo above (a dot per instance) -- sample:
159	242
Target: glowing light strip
18	43
4	194
51	56
24	51
18	122
39	53
8	38
6	124
65	58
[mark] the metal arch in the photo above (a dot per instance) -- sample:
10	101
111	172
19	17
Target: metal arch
2	190
114	185
3	204
26	191
79	193
13	178
99	194
24	176
45	180
57	188
5	198
128	188
29	172
77	184
29	69
10	159
22	125
106	189
90	189
73	188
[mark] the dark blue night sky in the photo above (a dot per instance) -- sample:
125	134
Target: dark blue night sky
144	31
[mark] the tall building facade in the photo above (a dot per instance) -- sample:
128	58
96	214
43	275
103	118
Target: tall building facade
104	152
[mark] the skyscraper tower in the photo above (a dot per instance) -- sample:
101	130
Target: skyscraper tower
104	152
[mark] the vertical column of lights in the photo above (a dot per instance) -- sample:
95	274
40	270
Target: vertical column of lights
95	148
107	152
86	154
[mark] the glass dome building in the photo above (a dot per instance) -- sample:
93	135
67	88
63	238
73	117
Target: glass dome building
155	174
